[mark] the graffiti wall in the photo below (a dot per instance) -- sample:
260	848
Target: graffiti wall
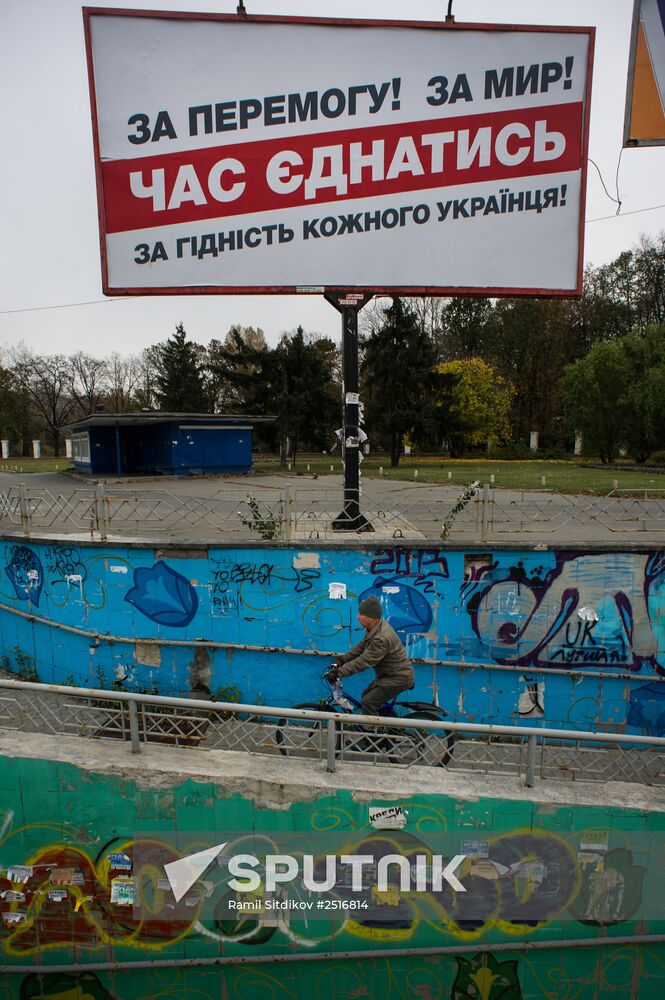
67	836
566	638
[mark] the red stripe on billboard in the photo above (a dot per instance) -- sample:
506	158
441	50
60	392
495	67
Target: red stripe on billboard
261	176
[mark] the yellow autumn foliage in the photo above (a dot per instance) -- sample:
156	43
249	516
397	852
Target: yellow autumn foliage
479	401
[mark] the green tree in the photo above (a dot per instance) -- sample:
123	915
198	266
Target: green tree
467	326
398	377
616	395
644	391
532	342
595	401
178	374
226	394
475	402
294	382
307	402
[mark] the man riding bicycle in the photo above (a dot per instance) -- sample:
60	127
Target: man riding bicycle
382	649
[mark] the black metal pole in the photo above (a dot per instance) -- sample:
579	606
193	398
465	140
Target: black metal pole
349	305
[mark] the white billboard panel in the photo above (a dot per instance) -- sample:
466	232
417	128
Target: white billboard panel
268	155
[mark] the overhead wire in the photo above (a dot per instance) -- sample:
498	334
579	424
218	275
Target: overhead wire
617	200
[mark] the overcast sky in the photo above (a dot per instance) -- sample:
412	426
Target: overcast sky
49	252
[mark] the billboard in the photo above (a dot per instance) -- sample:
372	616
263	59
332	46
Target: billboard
645	99
392	157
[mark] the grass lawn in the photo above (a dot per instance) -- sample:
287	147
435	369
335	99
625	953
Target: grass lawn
566	477
36	464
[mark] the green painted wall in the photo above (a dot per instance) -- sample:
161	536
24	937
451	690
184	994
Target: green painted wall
54	813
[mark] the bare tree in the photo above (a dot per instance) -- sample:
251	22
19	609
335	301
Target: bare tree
89	381
146	375
124	375
48	381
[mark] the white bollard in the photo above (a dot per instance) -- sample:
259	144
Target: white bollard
615	484
415	473
492	479
5	448
380	470
450	475
68	447
542	480
37	449
332	468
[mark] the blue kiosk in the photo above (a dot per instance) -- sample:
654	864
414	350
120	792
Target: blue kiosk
170	444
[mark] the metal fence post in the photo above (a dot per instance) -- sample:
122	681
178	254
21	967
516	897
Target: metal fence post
530	761
134	734
101	510
484	513
24	505
287	502
331	744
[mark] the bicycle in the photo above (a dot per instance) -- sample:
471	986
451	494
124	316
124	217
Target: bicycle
306	737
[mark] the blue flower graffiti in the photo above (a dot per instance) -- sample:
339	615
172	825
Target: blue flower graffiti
25	573
163	595
407	609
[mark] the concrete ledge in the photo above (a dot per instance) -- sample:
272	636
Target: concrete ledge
276	783
354	540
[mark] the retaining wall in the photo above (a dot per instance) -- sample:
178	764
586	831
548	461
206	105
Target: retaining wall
574	637
588	870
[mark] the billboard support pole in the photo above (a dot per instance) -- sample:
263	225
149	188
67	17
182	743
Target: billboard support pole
349	305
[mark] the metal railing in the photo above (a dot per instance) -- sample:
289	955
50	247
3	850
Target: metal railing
146	720
305	512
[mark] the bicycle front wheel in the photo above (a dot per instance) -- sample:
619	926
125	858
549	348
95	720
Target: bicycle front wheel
302	737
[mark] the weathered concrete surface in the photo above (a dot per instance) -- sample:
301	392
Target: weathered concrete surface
276	783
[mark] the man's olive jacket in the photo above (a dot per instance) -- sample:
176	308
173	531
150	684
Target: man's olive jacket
382	649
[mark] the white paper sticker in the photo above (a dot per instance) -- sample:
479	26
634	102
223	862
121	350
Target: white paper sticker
352	397
337	591
118	569
19	873
122	891
387	817
118	859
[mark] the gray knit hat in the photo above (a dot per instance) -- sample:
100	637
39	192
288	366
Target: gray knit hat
370	607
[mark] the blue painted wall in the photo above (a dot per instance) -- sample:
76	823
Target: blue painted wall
579	612
176	448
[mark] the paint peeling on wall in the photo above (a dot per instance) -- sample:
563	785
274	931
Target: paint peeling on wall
571	862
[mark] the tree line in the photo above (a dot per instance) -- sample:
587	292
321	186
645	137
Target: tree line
439	374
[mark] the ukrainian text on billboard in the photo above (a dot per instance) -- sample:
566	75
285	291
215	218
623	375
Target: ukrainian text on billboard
385	157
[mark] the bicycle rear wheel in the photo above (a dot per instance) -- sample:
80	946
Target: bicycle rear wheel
302	737
432	747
